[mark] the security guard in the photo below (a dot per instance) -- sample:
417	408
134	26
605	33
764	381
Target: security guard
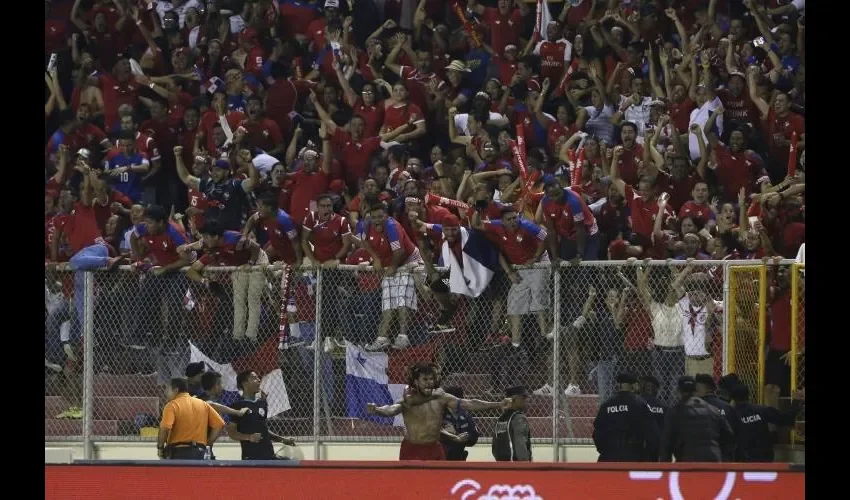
512	442
707	391
624	429
459	430
755	441
649	392
188	424
694	431
725	384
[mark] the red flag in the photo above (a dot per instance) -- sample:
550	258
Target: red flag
792	155
467	26
520	139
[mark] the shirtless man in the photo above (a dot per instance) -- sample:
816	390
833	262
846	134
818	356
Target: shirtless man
422	408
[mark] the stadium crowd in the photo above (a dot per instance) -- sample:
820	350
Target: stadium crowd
326	132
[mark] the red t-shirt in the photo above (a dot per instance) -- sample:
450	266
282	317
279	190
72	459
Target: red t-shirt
739	108
385	242
161	248
354	156
697	211
264	135
373	117
643	213
282	233
415	82
306	187
680	114
145	146
326	236
226	253
198	200
553	58
295	17
736	171
780	322
775	126
81	227
398	115
104	211
679	191
504	28
629	163
638	326
115	94
507	70
520	245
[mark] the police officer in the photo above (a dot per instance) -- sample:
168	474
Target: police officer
512	442
694	431
459	429
725	384
649	392
707	391
624	429
755	441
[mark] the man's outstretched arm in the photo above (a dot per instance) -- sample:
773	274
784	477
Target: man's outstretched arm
384	411
473	405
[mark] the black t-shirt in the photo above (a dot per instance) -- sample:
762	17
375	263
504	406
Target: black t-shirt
254	422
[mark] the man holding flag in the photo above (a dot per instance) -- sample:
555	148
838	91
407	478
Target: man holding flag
555	52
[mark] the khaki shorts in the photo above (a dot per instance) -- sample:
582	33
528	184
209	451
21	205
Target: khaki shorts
531	294
694	366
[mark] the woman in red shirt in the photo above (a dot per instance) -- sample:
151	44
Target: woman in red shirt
367	104
398	112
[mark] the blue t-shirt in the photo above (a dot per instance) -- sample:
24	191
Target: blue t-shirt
129	183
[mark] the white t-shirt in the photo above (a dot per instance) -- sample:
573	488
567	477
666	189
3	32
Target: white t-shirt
462	122
693	327
264	164
700	117
666	324
638	114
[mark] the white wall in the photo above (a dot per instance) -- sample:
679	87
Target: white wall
336	451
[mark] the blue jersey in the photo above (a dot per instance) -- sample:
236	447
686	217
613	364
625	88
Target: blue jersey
129	183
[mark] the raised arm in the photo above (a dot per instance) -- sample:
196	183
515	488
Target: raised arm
464	140
657	91
187	179
761	104
619	184
643	286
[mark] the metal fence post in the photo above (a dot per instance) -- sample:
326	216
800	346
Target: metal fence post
726	306
556	364
317	367
88	365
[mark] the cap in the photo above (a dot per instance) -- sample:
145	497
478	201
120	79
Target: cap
705	379
738	73
626	378
221	164
458	65
658	102
195	369
517	390
451	221
728	381
687	384
617	249
85	153
549	180
510	46
331	4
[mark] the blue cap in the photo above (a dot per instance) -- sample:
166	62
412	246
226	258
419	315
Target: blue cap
549	180
222	164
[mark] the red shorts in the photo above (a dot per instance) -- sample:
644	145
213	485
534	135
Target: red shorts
412	451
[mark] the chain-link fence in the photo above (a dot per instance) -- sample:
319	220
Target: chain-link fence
316	336
798	343
63	358
747	328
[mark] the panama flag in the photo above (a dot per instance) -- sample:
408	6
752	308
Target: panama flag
480	261
263	361
366	381
544	17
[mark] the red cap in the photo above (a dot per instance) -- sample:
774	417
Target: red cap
534	86
617	250
451	221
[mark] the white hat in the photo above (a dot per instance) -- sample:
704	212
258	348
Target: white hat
332	4
458	65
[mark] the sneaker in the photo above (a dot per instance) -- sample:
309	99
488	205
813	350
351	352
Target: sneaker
74	412
379	344
572	390
401	342
546	390
494	341
329	345
114	262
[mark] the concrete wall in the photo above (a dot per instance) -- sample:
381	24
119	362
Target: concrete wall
331	451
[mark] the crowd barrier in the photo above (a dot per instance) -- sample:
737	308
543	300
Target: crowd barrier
304	330
422	480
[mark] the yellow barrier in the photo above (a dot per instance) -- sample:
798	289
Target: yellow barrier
747	325
798	305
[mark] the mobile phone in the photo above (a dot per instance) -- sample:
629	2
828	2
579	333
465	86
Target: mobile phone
52	63
758	42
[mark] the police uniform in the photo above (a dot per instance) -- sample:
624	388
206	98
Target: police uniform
755	440
723	406
694	431
254	422
512	442
624	429
462	422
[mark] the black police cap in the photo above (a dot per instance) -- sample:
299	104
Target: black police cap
687	384
705	379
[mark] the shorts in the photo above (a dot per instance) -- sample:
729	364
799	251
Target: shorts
398	291
531	294
776	372
413	451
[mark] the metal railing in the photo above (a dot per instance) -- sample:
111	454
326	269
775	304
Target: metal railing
576	326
